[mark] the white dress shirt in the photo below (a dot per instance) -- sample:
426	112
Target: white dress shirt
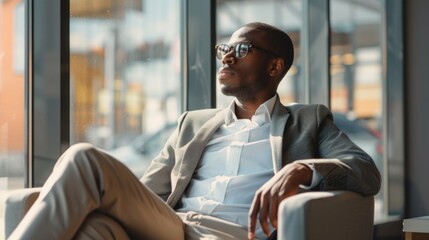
236	162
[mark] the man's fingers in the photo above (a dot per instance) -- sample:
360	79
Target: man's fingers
264	211
253	214
280	193
274	206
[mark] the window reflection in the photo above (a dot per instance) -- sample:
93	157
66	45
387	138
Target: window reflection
284	14
356	76
125	75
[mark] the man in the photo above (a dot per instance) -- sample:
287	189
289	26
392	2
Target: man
223	172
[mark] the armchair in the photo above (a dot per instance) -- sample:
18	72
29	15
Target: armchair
333	215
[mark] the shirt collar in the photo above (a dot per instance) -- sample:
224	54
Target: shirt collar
265	108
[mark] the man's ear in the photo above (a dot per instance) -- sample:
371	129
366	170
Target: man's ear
277	67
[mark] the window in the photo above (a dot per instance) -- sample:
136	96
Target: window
12	95
12	98
125	76
356	76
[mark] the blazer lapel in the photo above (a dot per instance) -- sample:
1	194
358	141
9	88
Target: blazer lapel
279	118
197	145
192	155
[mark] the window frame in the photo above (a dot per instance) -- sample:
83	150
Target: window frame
393	107
47	103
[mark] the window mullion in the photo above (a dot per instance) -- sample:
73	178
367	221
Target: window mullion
315	52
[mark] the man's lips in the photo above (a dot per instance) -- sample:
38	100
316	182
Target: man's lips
223	72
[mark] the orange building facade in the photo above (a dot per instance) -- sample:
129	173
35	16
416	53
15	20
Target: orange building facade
12	83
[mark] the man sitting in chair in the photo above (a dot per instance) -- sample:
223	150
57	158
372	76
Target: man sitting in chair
223	172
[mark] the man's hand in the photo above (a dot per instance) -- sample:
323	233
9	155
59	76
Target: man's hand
267	199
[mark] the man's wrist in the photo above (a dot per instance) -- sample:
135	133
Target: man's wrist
315	177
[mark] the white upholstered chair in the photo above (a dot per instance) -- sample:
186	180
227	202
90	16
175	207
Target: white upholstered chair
333	215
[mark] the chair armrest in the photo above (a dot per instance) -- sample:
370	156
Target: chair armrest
16	205
330	215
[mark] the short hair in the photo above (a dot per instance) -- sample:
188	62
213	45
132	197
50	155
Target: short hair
277	38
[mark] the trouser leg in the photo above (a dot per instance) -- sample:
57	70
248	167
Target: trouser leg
87	179
100	226
200	226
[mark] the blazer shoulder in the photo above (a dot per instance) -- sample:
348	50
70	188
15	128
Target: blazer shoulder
202	114
318	112
196	118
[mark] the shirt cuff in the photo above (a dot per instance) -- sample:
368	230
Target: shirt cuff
315	179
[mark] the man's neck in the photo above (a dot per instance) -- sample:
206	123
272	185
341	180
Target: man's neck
246	109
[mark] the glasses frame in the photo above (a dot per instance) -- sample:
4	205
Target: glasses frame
236	48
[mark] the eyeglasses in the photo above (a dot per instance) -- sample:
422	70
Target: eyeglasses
240	50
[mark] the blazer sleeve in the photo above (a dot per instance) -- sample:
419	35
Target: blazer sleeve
341	164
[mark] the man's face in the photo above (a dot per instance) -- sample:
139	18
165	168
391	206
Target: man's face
246	78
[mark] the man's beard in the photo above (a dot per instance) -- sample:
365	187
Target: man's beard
245	92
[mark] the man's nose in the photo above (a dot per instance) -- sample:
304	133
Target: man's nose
228	58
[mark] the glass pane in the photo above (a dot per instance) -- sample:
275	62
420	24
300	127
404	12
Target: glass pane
125	76
284	14
356	76
12	94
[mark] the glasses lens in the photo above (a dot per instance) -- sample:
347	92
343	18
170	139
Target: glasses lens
241	50
221	50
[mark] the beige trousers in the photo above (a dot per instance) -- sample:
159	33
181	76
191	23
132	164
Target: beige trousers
91	195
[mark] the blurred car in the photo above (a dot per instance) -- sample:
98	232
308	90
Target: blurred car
138	154
367	139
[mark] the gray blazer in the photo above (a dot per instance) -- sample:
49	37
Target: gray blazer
302	133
